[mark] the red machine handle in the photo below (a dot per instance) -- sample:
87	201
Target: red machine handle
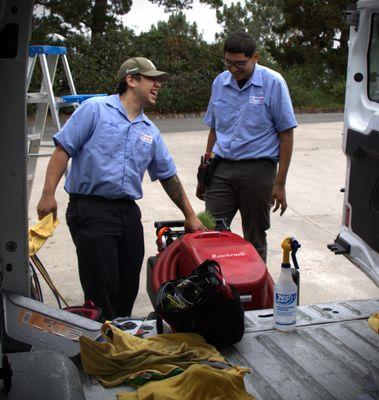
210	234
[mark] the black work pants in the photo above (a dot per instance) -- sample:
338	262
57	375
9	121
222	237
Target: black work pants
108	236
246	186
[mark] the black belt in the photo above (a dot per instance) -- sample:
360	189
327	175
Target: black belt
250	160
75	196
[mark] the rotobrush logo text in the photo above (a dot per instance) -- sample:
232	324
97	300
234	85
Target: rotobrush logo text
224	255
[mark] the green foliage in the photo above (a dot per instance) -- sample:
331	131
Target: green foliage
95	71
207	219
176	5
85	17
310	91
233	19
258	18
312	32
176	47
306	40
296	37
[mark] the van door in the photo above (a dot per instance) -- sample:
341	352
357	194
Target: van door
358	239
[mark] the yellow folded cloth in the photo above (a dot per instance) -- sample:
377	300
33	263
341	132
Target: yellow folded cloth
39	233
124	358
198	382
373	322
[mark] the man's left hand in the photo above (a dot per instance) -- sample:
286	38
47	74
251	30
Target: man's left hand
193	224
278	198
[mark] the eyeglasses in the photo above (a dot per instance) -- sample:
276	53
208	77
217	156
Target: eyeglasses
240	65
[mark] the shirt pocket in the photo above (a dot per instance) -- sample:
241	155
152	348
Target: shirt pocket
143	153
224	115
109	140
255	116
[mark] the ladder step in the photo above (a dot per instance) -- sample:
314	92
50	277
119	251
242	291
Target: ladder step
39	98
79	98
36	155
34	50
34	136
47	143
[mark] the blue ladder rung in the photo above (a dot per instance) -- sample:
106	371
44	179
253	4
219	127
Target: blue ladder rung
79	98
34	50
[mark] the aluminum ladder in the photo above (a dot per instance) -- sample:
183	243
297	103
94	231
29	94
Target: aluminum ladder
45	99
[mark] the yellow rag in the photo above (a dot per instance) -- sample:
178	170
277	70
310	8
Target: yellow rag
373	322
195	383
124	358
39	233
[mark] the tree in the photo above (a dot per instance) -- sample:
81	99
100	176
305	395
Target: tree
312	31
257	17
233	18
177	5
178	48
295	32
88	17
306	40
175	46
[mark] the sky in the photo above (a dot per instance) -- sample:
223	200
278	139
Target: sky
144	14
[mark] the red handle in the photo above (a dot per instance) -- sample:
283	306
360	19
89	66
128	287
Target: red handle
210	234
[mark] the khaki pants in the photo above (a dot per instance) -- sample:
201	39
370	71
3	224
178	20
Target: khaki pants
246	186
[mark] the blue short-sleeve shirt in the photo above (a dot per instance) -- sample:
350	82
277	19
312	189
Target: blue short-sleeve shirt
247	121
110	154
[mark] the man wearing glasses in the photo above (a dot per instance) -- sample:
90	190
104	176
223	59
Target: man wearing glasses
251	122
111	144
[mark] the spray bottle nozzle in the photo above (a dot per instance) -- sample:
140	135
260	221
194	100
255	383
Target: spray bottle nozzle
295	246
286	246
290	245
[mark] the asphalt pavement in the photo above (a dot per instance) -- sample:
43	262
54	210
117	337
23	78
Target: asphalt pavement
316	175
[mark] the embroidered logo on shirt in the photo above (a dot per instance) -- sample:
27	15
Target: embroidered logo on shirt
257	99
145	138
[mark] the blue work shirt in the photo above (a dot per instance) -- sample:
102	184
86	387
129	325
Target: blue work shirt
247	120
110	154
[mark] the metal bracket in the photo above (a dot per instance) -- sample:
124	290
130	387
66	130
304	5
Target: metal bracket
352	15
340	246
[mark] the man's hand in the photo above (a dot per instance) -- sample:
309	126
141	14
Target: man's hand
193	224
278	198
55	170
46	205
200	191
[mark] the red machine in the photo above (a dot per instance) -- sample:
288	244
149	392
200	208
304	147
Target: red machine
240	263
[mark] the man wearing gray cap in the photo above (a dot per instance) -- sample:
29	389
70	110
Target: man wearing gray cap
111	143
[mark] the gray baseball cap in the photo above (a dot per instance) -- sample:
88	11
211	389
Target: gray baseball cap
140	65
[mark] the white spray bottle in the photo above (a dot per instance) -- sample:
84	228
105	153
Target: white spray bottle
285	293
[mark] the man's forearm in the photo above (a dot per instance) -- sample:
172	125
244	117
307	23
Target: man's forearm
174	189
211	140
285	153
55	170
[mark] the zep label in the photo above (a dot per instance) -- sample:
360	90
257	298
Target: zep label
285	299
